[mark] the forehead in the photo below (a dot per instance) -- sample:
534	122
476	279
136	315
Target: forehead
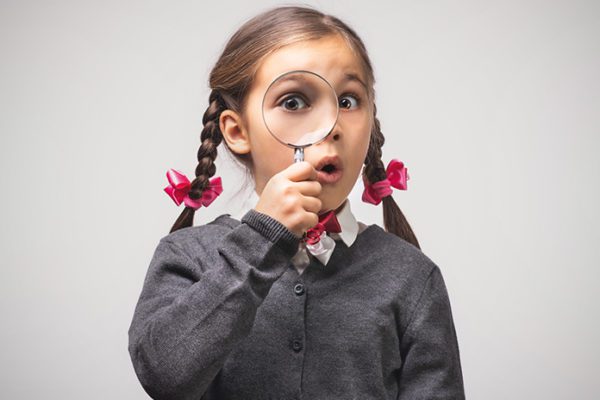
331	57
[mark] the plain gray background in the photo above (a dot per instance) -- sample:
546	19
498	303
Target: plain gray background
493	106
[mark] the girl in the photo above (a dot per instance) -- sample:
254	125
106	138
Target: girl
293	298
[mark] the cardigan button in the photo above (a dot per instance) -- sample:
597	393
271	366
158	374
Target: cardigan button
297	345
299	289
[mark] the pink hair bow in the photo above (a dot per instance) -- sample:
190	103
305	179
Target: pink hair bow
397	175
179	187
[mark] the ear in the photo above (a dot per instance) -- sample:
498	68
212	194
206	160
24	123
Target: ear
234	132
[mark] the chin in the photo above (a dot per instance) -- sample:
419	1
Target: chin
331	204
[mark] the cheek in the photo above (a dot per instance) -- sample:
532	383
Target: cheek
361	125
366	137
362	141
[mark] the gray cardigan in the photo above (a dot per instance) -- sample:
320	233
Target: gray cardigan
223	314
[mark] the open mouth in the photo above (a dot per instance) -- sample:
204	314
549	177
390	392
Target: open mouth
329	170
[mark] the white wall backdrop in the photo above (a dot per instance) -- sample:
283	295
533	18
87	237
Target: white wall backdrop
494	106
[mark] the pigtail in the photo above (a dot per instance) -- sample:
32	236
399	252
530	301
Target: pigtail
210	139
374	171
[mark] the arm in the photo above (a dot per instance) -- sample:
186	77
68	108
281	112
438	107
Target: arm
188	319
431	366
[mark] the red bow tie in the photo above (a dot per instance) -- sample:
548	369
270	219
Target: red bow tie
328	222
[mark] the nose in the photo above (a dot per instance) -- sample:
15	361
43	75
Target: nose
335	133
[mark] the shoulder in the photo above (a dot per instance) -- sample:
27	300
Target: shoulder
255	232
198	237
396	256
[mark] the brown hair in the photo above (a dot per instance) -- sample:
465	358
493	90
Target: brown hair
231	78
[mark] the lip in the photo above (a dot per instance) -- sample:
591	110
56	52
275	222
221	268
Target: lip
334	160
324	177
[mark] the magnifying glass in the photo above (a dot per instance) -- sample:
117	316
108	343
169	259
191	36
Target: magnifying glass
300	108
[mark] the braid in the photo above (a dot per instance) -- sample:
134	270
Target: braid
210	139
374	170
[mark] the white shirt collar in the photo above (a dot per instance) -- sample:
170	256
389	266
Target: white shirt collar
348	223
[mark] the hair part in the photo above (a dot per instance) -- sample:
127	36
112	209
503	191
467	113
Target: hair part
231	80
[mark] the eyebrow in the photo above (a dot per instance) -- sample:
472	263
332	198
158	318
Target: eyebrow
349	76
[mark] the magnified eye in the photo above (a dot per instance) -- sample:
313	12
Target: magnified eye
349	101
293	103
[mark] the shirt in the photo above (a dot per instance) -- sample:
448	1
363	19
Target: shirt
350	226
223	314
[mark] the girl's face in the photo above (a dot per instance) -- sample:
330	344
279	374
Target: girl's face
334	60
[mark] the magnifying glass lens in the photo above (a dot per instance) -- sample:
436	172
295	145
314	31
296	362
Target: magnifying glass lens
300	108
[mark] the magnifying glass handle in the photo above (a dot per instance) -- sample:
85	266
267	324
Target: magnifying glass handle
298	154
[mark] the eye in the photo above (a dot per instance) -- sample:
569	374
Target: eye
293	103
349	101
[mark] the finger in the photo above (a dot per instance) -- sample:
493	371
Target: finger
309	188
312	204
300	171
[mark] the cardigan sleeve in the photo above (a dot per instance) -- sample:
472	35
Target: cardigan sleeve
191	315
431	367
